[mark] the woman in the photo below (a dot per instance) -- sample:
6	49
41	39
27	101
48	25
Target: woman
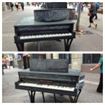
99	65
92	14
17	5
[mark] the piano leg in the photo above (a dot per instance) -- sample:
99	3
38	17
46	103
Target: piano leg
20	46
74	99
55	97
43	96
67	43
32	96
71	99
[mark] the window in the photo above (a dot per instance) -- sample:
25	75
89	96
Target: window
39	56
90	58
65	56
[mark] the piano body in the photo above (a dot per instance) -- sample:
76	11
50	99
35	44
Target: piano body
53	27
52	77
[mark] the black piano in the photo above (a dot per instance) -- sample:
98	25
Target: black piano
54	22
51	76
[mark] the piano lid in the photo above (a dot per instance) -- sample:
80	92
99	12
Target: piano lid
54	15
49	65
29	21
70	73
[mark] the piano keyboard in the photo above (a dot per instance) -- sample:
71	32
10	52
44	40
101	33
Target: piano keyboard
44	36
63	88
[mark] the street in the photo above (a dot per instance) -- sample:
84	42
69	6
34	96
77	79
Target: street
12	95
90	40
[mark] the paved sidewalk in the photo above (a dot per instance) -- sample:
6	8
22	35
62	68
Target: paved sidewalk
12	95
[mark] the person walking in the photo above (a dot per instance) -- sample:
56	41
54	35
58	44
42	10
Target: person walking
11	63
22	5
99	65
26	58
17	6
92	14
4	64
97	7
11	5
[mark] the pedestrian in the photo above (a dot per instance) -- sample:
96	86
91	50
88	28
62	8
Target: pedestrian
26	59
8	6
4	63
97	7
22	5
11	63
11	5
82	6
99	65
91	14
17	6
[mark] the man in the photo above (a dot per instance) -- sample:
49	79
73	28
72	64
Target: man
26	58
22	5
97	7
92	14
11	5
99	65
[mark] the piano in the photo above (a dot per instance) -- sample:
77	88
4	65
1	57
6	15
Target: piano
29	30
51	80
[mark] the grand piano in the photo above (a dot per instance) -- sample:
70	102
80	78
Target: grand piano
46	24
51	76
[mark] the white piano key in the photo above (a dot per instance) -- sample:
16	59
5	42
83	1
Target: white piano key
48	86
32	36
21	37
45	36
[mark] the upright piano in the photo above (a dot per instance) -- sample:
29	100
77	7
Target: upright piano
51	76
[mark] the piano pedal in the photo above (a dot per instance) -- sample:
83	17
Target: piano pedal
43	96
